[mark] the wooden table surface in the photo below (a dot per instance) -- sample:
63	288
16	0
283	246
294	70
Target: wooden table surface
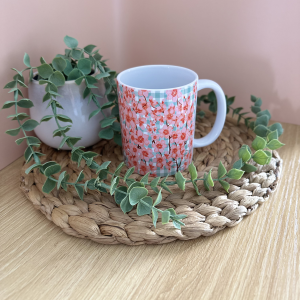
258	259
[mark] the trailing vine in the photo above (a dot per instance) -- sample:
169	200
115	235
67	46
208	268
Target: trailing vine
73	65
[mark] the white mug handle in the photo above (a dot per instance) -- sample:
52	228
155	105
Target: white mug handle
221	113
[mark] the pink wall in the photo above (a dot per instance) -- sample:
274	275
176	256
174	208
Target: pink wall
38	28
248	47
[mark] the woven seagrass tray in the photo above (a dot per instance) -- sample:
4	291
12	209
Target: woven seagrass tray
100	219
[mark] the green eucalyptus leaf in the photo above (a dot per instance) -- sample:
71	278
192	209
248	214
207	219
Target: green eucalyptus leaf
26	60
20	140
272	135
165	217
144	206
225	185
107	105
28	154
45	70
103	166
278	127
135	184
48	186
262	120
196	188
94	113
68	69
89	48
258	102
84	65
165	187
19	116
144	179
59	131
25	103
114	185
60	178
79	190
76	54
261	130
255	109
269	154
158	199
46	118
128	173
107	121
106	133
260	157
86	92
46	97
28	170
90	184
79	80
46	165
59	63
118	138
10	85
119	196
259	143
274	144
238	164
229	101
90	154
57	78
115	110
32	140
116	127
180	180
13	132
102	75
193	171
249	168
209	179
8	104
91	80
53	169
118	169
136	194
206	185
64	118
264	113
221	170
154	216
70	42
244	153
253	98
235	173
74	74
125	205
29	125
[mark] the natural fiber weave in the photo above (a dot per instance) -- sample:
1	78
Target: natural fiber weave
100	219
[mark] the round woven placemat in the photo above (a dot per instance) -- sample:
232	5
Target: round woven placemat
100	219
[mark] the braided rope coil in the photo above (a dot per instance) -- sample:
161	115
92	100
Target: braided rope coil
100	219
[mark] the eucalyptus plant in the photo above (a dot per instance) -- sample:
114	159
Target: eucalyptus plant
79	64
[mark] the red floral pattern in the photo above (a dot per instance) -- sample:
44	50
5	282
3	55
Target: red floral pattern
157	128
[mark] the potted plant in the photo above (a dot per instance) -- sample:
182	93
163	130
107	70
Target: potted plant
76	85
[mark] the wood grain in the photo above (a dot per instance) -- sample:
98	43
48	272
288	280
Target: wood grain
258	259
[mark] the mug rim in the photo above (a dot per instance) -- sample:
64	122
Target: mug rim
148	66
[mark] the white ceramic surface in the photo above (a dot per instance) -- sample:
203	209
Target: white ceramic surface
74	106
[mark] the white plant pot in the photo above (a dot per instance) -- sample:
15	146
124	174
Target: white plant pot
74	106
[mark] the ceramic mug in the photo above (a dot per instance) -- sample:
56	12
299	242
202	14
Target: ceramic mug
157	106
